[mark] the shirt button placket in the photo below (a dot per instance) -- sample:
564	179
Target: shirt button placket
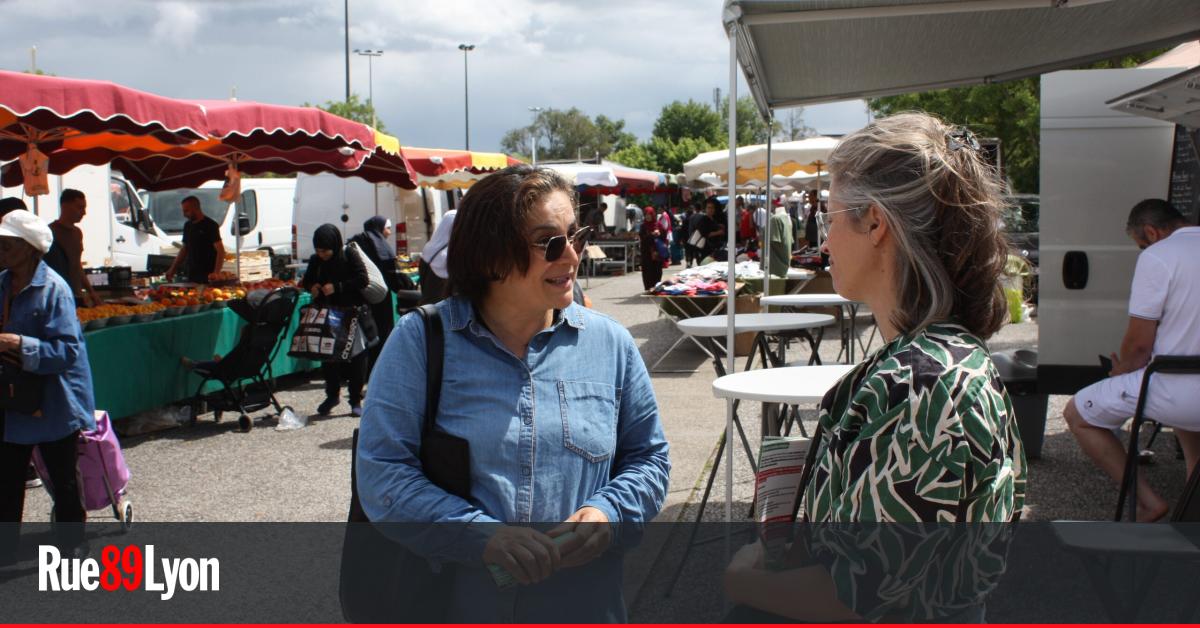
527	450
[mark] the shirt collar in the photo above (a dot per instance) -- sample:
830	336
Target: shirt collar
39	275
459	313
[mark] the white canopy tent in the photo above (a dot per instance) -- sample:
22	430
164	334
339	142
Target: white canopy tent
807	155
797	53
1175	99
585	174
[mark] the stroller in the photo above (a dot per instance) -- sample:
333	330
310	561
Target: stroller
247	383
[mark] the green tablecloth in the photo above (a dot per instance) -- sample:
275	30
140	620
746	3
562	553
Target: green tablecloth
136	367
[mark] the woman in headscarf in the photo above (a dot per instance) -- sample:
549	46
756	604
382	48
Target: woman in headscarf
336	279
648	236
375	244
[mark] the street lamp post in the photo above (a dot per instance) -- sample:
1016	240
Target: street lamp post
533	130
370	55
466	95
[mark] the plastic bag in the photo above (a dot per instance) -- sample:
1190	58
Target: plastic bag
289	420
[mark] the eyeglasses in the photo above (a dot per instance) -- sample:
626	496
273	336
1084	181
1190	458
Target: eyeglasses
555	246
823	223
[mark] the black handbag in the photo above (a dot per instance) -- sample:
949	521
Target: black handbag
381	581
20	390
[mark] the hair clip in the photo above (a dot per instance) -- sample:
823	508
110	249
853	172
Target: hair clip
962	137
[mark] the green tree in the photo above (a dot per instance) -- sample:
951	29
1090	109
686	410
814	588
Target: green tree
792	126
636	156
611	135
355	109
1009	111
568	134
689	119
751	128
516	142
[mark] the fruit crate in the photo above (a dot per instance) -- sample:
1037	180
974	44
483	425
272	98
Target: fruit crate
256	265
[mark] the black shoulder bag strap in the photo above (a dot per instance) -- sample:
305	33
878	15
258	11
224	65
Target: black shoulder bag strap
445	459
434	358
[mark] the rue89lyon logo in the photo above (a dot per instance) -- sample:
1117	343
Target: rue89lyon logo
128	568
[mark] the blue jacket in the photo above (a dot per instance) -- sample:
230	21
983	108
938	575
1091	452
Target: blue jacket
43	314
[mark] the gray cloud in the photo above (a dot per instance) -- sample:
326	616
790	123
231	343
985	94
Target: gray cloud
623	59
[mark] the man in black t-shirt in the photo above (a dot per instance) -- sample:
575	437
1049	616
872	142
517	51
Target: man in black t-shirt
203	252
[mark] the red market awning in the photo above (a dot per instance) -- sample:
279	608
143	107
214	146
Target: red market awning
44	110
253	137
246	125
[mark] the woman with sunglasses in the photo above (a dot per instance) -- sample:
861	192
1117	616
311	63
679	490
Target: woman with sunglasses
922	430
553	399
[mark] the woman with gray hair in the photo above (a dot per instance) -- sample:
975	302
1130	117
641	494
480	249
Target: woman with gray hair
922	430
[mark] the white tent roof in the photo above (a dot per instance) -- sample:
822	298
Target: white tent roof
586	174
786	158
1181	56
1174	99
797	52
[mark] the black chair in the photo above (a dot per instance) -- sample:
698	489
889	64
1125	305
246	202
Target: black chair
1170	364
249	362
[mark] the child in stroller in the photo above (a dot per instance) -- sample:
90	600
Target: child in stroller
247	383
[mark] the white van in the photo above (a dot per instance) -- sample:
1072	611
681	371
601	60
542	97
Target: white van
117	230
349	202
1096	163
265	204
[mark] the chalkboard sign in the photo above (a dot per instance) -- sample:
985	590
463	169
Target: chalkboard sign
1185	173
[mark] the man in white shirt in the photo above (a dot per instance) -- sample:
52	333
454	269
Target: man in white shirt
1164	319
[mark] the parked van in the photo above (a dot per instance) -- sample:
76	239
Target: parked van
1096	163
265	205
117	230
349	202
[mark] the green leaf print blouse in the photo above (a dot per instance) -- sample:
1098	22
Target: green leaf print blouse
922	431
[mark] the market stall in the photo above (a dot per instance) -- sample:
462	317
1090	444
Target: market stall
137	366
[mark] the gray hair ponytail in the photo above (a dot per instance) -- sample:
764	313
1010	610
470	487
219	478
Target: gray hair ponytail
943	204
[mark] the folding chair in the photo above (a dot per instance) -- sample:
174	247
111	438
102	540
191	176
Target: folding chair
1170	364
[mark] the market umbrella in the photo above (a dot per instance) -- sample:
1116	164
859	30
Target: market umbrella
581	174
807	155
38	114
448	169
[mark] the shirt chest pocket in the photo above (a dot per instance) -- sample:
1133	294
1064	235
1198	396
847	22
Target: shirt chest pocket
589	418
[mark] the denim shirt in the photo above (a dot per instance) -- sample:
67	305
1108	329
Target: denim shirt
43	314
573	424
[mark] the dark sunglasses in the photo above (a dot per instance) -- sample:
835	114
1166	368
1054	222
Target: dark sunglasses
555	246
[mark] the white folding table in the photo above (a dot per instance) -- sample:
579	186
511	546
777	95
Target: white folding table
849	307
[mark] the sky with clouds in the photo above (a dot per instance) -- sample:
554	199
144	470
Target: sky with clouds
621	58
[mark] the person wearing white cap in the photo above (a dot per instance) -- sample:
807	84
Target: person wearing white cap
45	382
432	267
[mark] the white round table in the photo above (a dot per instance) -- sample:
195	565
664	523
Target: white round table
712	328
792	385
716	326
806	300
825	300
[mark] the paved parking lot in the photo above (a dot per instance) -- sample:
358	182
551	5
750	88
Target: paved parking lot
212	472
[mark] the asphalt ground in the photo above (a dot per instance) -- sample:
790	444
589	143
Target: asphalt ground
211	471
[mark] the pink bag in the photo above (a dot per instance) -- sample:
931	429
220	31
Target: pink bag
100	457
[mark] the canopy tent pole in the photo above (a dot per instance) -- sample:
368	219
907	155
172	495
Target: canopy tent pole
766	256
731	275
